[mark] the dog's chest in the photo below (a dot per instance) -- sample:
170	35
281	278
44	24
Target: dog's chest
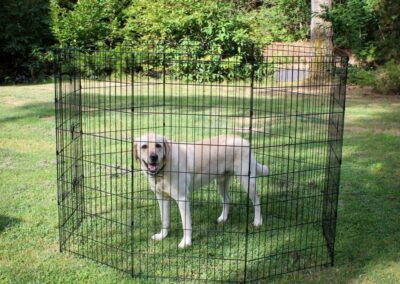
159	184
170	184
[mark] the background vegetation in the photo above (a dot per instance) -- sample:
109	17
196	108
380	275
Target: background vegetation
368	29
24	36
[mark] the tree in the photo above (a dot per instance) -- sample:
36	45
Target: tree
321	30
24	33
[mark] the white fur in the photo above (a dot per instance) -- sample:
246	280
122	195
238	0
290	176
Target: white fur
188	166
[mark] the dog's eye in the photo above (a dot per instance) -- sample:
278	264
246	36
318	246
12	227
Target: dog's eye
144	146
158	145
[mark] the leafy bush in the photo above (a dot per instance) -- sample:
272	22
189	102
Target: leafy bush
88	22
24	34
282	20
371	28
361	76
213	32
180	62
388	78
212	25
384	79
351	20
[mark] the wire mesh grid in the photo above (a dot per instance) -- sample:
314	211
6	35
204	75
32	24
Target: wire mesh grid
212	118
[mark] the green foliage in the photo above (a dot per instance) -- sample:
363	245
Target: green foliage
225	24
371	28
210	24
231	28
351	21
384	79
388	78
388	30
283	20
216	33
88	22
181	62
24	32
360	76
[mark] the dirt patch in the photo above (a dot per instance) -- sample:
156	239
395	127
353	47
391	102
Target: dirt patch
6	163
47	117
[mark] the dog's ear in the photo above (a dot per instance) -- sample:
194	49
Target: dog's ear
167	147
135	151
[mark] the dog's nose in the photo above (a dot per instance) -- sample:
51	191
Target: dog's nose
153	157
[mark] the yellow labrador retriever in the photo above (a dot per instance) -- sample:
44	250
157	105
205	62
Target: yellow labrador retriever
174	169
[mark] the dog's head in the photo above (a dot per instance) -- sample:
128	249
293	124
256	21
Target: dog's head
151	151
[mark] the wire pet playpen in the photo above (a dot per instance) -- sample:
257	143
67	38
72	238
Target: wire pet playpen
287	102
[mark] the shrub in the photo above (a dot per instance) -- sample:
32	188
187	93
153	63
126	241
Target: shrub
371	28
214	26
282	20
388	78
384	79
360	76
88	22
215	32
24	34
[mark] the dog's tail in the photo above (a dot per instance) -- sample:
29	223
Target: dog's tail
262	170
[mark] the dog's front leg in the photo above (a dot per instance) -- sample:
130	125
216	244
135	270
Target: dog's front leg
180	193
164	204
184	209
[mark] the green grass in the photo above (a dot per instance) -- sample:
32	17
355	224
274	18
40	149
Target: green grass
368	233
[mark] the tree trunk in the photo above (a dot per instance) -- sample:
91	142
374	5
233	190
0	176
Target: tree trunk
321	31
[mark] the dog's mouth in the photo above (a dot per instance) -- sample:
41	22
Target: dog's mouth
152	168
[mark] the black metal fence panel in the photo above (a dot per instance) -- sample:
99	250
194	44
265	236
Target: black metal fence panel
153	145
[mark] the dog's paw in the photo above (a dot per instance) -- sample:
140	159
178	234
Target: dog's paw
160	236
257	223
185	243
221	219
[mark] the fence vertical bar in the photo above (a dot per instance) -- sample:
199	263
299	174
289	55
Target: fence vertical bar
76	136
163	76
57	100
132	109
335	139
251	113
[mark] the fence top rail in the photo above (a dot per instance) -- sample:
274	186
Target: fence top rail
255	52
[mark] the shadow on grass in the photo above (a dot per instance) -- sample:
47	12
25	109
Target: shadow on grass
29	111
6	222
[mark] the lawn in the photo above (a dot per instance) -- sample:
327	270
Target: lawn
368	232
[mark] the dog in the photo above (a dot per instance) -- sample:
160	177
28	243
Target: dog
174	169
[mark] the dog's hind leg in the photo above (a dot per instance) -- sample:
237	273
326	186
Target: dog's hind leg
164	204
223	184
250	187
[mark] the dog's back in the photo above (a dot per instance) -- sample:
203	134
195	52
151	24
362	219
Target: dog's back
220	156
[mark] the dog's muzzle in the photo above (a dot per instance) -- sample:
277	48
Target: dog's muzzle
153	168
